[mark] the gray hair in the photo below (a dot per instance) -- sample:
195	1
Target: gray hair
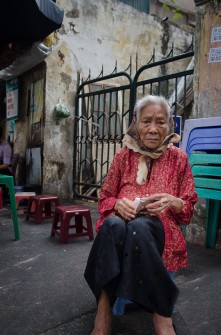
152	100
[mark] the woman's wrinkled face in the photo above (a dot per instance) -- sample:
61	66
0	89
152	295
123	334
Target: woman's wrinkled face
153	125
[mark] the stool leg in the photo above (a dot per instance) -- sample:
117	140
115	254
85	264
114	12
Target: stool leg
13	207
90	228
29	209
65	223
55	223
39	213
47	208
56	203
79	223
212	222
89	225
17	200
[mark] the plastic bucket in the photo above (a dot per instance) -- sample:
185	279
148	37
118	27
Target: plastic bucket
19	189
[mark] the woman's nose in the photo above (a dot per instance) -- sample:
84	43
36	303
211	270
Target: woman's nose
152	127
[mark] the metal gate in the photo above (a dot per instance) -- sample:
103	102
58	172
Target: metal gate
104	109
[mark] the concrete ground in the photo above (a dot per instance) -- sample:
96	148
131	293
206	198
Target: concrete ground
43	291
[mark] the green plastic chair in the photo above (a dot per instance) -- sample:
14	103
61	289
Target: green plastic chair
206	169
9	182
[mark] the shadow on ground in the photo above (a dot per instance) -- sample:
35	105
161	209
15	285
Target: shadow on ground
43	291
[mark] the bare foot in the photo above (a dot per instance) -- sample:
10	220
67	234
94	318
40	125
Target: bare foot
163	325
102	325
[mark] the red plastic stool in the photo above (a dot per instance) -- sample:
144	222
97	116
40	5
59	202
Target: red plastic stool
43	207
64	214
23	195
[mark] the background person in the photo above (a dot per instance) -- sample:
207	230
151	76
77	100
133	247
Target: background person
5	156
132	254
5	161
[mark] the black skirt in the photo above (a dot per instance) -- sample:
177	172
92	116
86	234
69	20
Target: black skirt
125	261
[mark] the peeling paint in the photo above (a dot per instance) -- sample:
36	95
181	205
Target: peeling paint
74	13
60	168
66	79
207	85
92	34
89	10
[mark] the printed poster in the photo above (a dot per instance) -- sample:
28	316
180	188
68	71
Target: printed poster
37	100
216	34
12	99
214	55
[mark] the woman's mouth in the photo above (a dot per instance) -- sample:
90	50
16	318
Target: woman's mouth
151	139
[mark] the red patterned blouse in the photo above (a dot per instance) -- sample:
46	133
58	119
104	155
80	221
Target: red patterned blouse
171	173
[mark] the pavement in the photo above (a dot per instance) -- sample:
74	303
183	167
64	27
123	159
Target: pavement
43	291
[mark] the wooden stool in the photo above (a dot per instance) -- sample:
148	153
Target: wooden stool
43	208
64	214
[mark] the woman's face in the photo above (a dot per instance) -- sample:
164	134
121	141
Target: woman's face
153	125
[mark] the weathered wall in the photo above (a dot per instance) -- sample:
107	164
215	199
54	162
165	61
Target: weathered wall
207	92
94	33
207	84
27	135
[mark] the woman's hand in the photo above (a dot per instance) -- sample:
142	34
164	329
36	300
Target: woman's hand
161	201
125	208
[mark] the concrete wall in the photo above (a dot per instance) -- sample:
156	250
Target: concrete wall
207	85
207	94
26	134
94	33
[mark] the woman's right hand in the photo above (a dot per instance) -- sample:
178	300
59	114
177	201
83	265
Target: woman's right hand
125	208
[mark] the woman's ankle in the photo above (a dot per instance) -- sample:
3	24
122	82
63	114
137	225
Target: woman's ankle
103	319
163	325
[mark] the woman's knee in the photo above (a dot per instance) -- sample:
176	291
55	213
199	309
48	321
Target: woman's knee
139	224
115	224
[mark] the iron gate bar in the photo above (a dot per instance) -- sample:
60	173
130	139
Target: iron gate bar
163	61
107	118
108	90
79	96
155	64
163	78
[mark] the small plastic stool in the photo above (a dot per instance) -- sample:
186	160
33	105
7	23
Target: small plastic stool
23	195
64	214
120	303
43	207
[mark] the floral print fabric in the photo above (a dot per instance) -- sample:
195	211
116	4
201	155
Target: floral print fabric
171	173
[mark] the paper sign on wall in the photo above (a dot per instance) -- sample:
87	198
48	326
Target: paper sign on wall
214	55
216	34
12	99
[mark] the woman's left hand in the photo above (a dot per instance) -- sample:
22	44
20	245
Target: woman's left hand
161	201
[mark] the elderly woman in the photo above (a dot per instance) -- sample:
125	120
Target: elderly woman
133	252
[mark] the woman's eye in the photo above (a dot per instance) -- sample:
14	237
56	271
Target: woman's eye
146	122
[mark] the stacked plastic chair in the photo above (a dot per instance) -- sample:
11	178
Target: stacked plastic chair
202	134
202	142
